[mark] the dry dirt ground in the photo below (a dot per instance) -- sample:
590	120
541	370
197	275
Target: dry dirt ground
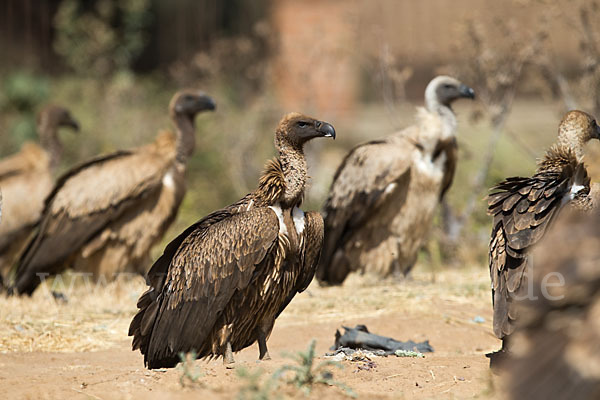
80	349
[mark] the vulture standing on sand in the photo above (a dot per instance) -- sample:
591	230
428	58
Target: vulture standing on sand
555	354
26	178
104	215
220	285
385	192
523	208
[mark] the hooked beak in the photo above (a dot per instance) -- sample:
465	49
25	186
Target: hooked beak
325	129
466	91
72	123
198	103
207	103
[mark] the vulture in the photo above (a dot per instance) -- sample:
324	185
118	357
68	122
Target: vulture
556	346
26	178
220	285
384	194
523	208
104	215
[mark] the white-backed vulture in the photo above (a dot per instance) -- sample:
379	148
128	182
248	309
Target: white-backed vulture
555	347
385	192
26	178
104	215
220	285
523	208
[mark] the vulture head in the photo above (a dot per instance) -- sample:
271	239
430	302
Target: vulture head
296	129
576	129
53	117
189	102
49	120
443	90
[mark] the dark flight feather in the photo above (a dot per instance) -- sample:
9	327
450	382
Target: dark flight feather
522	210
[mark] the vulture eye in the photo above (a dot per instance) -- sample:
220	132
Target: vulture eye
448	86
302	124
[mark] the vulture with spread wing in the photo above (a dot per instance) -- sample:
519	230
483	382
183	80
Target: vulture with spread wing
104	215
385	192
220	285
26	178
523	208
555	352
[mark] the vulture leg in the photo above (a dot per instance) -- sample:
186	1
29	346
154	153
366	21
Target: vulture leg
228	356
263	352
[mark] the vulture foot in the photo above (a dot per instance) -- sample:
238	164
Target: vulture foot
228	360
263	352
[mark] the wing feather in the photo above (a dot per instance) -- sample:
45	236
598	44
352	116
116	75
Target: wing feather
450	148
313	244
83	201
365	179
310	253
522	210
204	272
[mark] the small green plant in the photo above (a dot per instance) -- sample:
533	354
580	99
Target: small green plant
189	373
409	353
307	374
253	388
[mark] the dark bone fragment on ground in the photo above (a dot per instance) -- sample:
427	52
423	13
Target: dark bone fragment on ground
359	337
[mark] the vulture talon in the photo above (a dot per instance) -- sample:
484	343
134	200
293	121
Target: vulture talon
228	359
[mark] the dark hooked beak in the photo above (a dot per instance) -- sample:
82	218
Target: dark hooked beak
72	123
206	103
466	91
325	129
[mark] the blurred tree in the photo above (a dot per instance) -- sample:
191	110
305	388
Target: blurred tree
101	37
23	92
496	70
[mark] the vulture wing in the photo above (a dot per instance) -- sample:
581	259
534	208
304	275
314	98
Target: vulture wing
311	251
24	195
205	267
83	201
21	162
8	170
522	209
449	147
369	174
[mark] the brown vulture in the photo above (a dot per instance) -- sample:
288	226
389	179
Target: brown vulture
523	208
385	192
26	178
556	344
220	285
104	215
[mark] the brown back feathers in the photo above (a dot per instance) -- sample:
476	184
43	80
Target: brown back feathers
220	285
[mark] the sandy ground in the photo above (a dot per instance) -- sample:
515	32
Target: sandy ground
81	350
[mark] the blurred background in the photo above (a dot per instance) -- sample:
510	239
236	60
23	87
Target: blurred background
360	64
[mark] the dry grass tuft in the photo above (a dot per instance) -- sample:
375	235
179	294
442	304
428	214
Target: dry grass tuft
361	298
94	317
